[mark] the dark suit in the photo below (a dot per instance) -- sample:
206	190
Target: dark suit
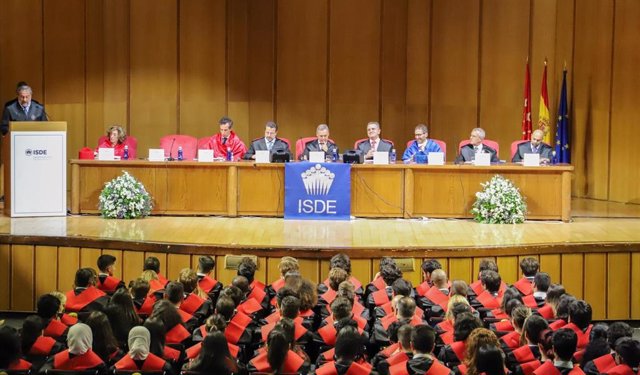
382	145
261	144
468	153
315	146
525	148
14	112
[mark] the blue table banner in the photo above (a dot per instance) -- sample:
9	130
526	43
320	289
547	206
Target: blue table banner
317	191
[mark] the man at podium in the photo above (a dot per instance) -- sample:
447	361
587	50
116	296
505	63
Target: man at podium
23	108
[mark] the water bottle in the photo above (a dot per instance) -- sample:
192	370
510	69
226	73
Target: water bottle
180	154
229	154
125	154
392	156
334	151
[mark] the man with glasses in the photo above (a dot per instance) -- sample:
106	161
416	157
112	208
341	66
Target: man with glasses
422	143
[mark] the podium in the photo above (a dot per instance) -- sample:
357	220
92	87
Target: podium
35	168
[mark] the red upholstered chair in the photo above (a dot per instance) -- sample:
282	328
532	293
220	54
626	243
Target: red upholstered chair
487	142
188	143
203	142
130	141
355	144
442	144
300	143
514	147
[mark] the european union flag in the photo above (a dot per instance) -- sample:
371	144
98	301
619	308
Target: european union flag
562	153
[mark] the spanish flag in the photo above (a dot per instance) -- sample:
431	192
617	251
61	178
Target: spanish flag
543	115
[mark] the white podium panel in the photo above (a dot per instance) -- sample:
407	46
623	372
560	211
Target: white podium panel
38	172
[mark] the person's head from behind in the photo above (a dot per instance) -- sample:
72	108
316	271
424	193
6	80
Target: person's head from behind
565	342
341	308
288	264
241	283
79	339
459	288
464	324
213	355
628	352
106	263
48	306
428	266
282	293
618	330
519	315
401	287
406	307
225	124
189	279
487	264
347	290
235	293
139	288
206	264
101	329
247	268
479	338
167	313
439	279
562	309
404	336
278	346
32	327
225	307
423	339
9	346
541	282
348	344
489	360
84	278
536	331
290	307
157	331
174	292
509	295
491	281
341	260
308	294
390	273
580	314
139	341
456	306
336	276
529	266
554	293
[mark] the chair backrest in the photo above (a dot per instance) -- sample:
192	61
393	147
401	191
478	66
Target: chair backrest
170	144
286	140
514	147
202	142
355	144
487	142
300	144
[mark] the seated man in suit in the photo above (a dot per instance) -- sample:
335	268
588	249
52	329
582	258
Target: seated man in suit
321	143
269	142
534	146
468	152
422	143
226	139
374	142
23	108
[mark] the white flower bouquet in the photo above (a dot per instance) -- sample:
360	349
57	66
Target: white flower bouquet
500	202
124	197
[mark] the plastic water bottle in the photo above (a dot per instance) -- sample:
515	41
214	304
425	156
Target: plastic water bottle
392	156
229	154
180	153
334	151
125	154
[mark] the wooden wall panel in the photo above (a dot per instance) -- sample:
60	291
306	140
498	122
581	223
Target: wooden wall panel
89	258
635	286
21	47
508	268
237	62
301	66
354	68
64	67
46	269
202	66
504	50
153	70
618	279
418	67
624	104
595	265
116	67
175	264
22	277
461	269
592	97
550	263
454	69
132	263
68	264
572	274
5	277
94	81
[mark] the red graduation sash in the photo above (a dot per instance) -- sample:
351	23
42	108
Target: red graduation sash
206	283
109	284
177	334
42	346
63	361
192	303
436	296
78	302
438	368
524	286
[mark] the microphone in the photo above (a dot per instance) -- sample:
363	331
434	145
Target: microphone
171	150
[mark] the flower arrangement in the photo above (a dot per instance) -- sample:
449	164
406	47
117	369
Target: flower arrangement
124	197
500	202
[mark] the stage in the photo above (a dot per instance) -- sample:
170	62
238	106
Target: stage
596	255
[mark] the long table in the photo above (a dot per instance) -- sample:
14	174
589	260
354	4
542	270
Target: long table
397	190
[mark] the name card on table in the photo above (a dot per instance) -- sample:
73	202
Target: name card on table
482	159
205	156
436	158
262	156
316	156
156	154
106	153
381	157
531	160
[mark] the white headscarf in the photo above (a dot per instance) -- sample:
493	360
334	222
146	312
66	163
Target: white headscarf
79	339
139	341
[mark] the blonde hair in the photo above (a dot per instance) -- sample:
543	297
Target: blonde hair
149	275
288	264
62	298
122	135
456	298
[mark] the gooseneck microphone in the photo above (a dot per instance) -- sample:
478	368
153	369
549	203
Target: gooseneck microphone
171	150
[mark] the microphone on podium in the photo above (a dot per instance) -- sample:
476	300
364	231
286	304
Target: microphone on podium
171	150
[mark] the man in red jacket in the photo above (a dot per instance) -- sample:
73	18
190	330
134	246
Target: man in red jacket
226	140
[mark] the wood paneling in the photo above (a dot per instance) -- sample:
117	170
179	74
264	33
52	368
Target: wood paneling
116	73
175	264
89	258
572	273
68	264
22	277
508	268
237	61
461	269
5	277
132	264
418	66
46	269
618	287
595	266
635	286
551	265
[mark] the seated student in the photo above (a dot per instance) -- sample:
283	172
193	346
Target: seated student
48	308
139	357
116	139
342	261
580	321
541	283
85	297
122	315
289	309
454	354
142	300
214	323
214	357
348	352
240	327
476	287
105	344
307	292
153	264
174	293
389	274
627	357
158	345
10	351
475	146
557	361
488	360
68	319
382	361
525	359
428	266
457	305
195	301
601	364
36	347
501	312
400	287
279	356
385	330
206	283
106	281
168	313
79	356
562	312
548	311
156	286
239	290
434	301
347	290
336	277
247	268
283	292
478	339
511	340
287	264
529	267
489	299
378	282
341	315
422	362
